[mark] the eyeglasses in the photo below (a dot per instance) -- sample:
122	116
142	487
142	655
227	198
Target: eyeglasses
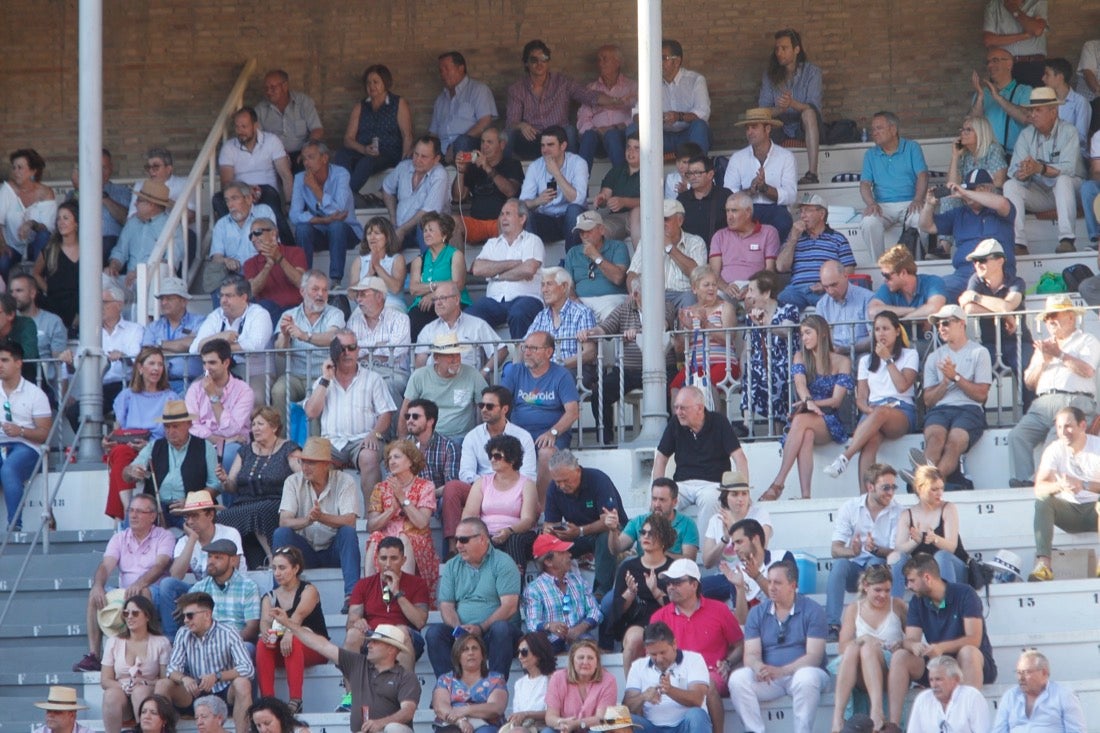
350	347
135	510
538	59
134	613
523	651
496	456
888	487
7	410
669	57
282	551
678	581
781	634
888	276
592	271
259	232
154	166
979	260
487	406
529	347
645	532
462	540
947	322
690	172
413	416
189	615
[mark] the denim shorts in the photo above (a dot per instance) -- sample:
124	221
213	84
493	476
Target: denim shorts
908	408
970	418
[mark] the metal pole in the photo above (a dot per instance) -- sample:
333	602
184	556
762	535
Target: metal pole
654	412
91	234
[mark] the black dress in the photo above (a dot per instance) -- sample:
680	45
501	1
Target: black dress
255	509
63	289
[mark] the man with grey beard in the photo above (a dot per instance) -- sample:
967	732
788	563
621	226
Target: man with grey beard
305	330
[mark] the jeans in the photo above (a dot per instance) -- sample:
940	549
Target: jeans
500	639
518	313
165	592
605	561
15	470
551	228
343	553
697	132
612	142
339	236
800	296
696	720
844	576
952	569
609	396
1090	189
361	167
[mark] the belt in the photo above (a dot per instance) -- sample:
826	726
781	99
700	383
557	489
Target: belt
1032	57
1090	395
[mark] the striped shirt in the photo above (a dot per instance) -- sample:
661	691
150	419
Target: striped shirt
549	108
236	603
218	650
810	253
349	414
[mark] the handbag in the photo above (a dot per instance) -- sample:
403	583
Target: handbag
129	435
699	374
978	574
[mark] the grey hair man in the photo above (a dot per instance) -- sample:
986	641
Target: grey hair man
305	330
948	704
210	714
1037	702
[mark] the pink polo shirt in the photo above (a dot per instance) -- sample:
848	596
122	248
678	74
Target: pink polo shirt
135	558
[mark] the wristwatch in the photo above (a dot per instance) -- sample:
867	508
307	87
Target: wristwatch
554	432
956	378
407	502
668	249
598	261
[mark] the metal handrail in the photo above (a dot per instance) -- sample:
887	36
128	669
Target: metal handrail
150	272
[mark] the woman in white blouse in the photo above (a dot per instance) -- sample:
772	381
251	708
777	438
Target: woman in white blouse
885	395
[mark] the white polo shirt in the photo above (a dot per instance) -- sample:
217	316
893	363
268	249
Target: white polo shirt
527	246
25	403
255	167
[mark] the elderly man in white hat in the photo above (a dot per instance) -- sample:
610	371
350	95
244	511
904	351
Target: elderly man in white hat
355	409
318	513
598	265
61	707
140	234
1047	169
811	243
380	687
765	171
957	377
684	252
383	333
452	385
1062	373
174	331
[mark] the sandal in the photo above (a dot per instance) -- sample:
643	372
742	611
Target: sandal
295	706
774	491
808	178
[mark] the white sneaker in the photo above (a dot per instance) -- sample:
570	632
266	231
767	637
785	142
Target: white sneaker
837	467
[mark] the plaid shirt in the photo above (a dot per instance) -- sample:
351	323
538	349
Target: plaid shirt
575	317
218	650
544	603
235	604
440	459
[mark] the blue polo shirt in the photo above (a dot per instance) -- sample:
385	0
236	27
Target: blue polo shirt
595	493
945	622
894	176
927	286
806	621
969	228
1005	129
684	526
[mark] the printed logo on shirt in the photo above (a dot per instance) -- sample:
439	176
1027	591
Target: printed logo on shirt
545	397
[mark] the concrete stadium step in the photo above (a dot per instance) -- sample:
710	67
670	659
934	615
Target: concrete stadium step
64	565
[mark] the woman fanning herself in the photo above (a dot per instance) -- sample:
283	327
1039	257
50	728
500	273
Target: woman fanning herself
872	628
821	379
884	395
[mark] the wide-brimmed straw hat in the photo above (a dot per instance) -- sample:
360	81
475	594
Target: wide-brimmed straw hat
61	698
176	411
1060	303
758	115
154	191
316	449
615	717
197	501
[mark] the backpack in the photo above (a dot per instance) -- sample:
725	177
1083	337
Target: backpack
1074	275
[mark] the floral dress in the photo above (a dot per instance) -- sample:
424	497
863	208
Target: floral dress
422	494
769	366
822	389
475	694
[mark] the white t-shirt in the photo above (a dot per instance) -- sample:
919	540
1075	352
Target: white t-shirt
198	557
1084	466
689	670
530	693
881	386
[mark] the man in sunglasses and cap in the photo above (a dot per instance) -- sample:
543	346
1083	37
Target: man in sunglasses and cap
379	686
61	707
957	377
991	289
557	602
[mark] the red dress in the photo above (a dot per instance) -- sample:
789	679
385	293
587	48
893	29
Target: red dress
422	494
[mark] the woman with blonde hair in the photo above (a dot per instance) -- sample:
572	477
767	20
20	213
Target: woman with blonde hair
977	147
821	379
577	696
708	320
931	527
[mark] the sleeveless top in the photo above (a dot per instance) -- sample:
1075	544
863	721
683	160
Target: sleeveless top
393	300
702	344
888	632
315	621
381	123
437	269
929	549
63	289
500	508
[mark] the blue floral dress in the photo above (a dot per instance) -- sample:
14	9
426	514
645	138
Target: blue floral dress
476	694
822	389
769	366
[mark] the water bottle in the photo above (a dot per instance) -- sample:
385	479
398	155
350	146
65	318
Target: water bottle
863	135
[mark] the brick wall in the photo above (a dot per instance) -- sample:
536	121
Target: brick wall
169	63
